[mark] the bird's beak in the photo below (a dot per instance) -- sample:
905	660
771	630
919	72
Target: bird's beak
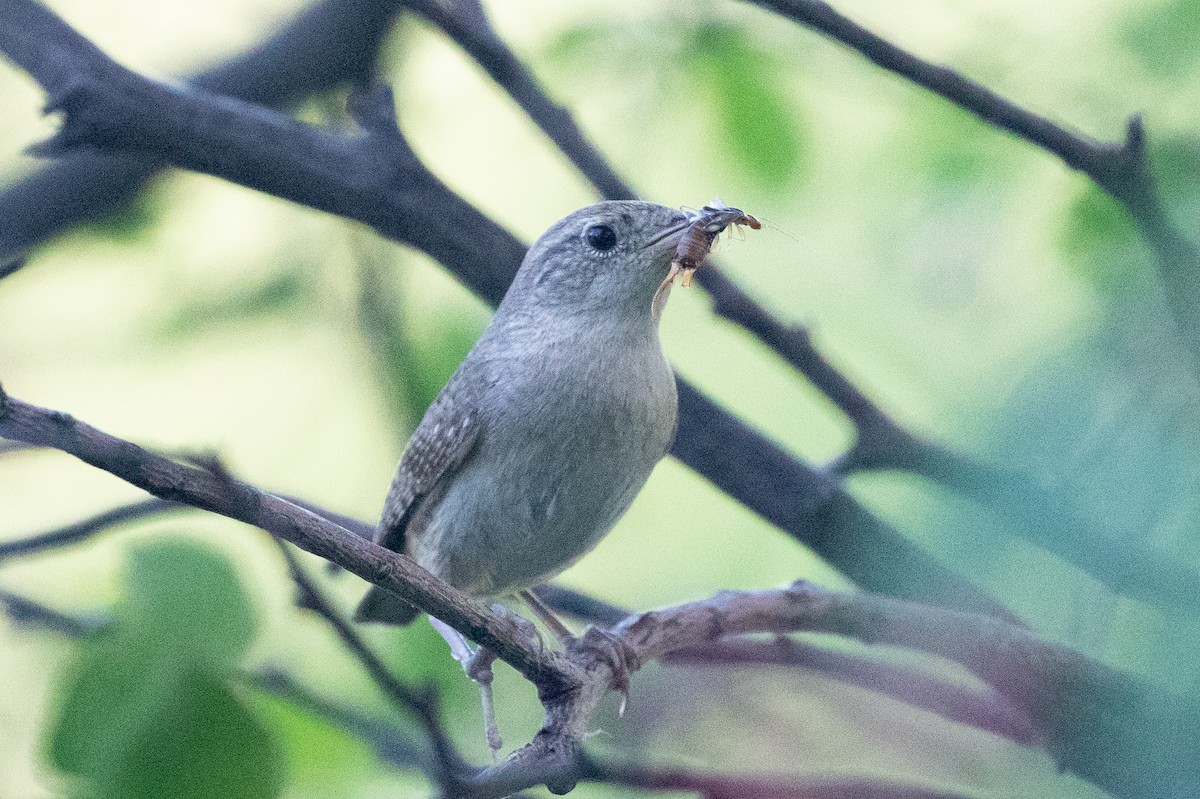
669	235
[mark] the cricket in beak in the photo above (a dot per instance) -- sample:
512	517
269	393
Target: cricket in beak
701	229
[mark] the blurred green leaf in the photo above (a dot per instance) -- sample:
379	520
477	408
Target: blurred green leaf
727	80
411	369
282	291
951	145
188	599
148	710
320	755
1163	36
740	82
1099	237
130	221
201	742
1176	164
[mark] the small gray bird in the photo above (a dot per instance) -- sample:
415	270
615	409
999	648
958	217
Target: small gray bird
551	425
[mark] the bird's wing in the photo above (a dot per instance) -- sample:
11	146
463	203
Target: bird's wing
438	447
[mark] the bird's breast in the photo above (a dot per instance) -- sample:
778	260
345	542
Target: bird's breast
569	438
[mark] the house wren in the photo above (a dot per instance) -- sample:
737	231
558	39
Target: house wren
550	426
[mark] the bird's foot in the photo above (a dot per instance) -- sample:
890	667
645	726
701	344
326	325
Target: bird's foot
522	627
614	651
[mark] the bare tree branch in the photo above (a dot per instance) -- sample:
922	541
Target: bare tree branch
1121	169
375	178
332	42
982	709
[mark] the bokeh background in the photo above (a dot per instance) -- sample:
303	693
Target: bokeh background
985	295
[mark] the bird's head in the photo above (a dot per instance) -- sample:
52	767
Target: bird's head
605	261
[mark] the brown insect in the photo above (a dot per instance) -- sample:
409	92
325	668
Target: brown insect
696	242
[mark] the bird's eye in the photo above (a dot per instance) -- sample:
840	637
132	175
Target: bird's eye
600	237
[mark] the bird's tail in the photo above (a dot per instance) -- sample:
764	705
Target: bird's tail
384	607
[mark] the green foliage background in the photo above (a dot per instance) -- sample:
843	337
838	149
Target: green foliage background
985	295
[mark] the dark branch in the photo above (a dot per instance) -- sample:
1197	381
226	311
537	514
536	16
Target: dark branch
331	43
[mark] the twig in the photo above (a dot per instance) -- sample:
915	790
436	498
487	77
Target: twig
23	610
420	703
1120	169
376	178
79	531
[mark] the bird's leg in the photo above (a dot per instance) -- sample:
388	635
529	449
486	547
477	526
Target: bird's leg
477	663
564	635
